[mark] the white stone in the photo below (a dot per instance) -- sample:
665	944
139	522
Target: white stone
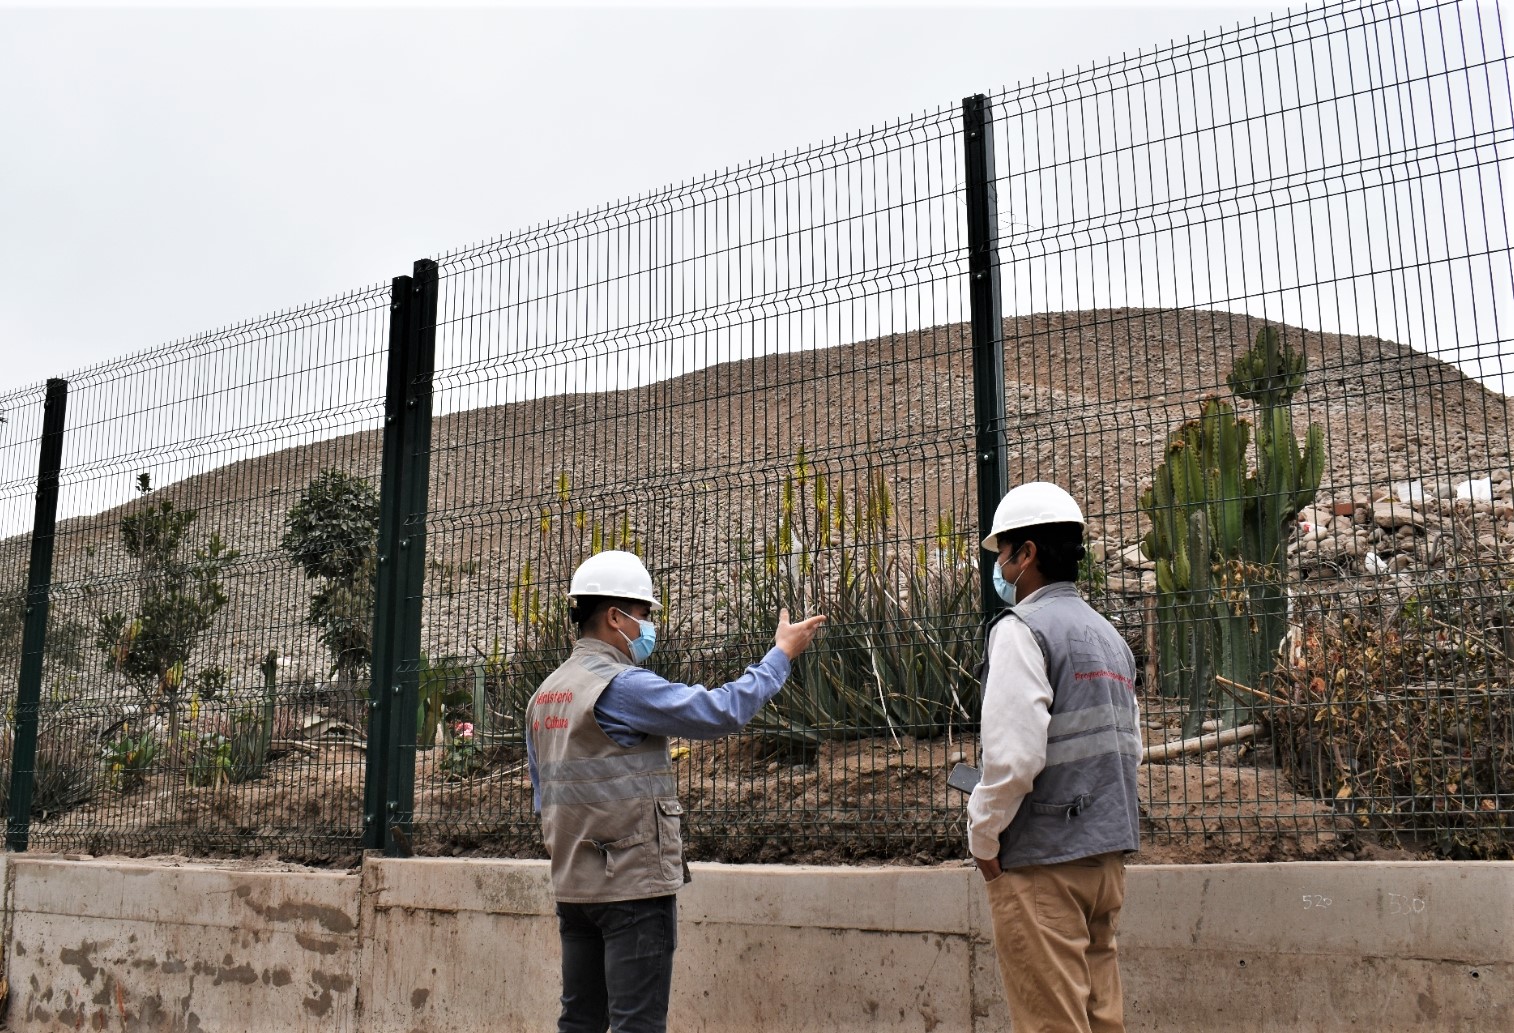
1478	490
1409	491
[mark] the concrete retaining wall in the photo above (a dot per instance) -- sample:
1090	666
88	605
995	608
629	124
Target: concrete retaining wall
130	945
423	944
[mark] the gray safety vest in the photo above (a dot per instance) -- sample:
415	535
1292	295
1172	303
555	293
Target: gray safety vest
1084	801
609	813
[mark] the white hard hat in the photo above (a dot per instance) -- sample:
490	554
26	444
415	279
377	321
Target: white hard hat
1036	502
619	575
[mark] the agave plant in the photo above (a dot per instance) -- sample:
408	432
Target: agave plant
902	639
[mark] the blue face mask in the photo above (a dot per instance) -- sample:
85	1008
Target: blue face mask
642	645
1005	589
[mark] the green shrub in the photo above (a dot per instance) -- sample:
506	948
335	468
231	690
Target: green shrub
209	759
67	770
129	759
178	594
331	532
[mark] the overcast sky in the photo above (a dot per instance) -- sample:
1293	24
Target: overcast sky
164	172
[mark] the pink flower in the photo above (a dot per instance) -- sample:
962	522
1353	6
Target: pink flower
464	730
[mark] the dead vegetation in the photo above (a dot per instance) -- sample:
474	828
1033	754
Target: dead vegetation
1401	709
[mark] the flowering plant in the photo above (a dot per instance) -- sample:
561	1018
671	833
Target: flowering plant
463	757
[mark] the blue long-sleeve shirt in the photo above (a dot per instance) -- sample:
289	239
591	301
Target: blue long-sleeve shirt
638	703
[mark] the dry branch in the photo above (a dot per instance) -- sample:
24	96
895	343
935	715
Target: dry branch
1199	743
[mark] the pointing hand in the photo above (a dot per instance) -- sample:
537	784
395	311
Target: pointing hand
794	639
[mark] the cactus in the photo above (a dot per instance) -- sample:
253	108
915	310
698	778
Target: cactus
441	685
431	685
1219	532
270	668
252	730
482	729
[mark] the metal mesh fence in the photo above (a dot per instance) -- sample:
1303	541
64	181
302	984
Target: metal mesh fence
1337	176
760	383
1256	295
188	705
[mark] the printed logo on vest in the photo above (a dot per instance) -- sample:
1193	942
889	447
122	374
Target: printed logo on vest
1094	657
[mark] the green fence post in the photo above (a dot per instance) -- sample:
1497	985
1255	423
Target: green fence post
34	632
389	793
411	563
987	324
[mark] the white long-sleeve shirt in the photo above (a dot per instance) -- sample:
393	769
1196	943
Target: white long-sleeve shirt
1012	750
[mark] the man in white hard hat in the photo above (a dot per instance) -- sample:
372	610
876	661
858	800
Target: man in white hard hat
597	747
1055	813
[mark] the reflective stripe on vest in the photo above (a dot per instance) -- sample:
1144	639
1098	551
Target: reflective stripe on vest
1087	733
627	787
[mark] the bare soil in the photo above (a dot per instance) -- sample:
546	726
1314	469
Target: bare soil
750	798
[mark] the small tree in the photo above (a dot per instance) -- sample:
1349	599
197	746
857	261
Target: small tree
332	534
179	593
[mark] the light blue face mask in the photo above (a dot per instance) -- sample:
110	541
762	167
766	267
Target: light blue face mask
642	645
1006	589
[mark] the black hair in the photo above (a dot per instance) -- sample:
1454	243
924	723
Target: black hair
586	608
1059	547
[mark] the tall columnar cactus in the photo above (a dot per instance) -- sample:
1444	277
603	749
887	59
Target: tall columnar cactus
1287	477
1219	531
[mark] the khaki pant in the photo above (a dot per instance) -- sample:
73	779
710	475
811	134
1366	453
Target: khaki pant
1054	930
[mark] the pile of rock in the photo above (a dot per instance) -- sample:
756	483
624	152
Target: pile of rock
1413	525
1408	526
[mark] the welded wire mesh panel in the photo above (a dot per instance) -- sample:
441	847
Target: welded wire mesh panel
1260	300
759	382
189	703
1258	292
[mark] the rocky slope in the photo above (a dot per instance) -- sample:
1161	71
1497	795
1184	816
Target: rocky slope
694	467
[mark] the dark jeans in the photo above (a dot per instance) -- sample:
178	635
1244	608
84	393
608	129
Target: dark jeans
617	965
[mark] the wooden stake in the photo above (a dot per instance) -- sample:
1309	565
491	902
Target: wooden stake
1199	744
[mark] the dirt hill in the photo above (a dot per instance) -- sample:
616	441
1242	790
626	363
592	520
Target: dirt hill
695	468
695	465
